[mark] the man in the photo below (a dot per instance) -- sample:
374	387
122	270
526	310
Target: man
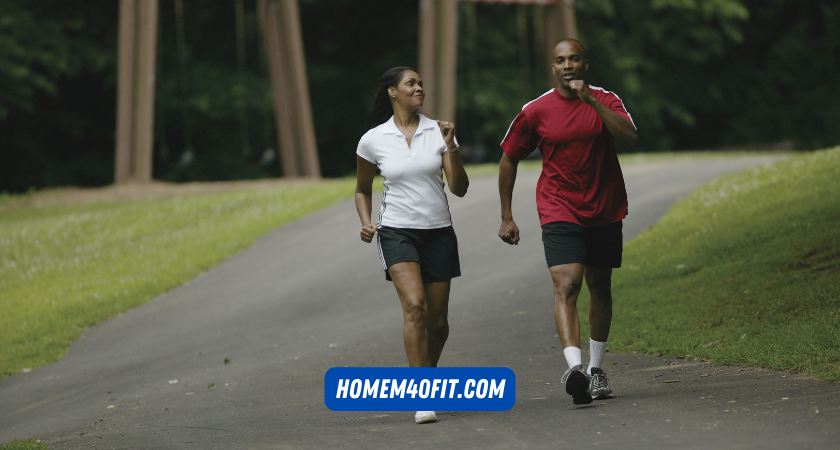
581	202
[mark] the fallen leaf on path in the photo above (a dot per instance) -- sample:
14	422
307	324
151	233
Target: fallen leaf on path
671	381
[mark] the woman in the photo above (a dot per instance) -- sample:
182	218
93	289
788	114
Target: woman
416	241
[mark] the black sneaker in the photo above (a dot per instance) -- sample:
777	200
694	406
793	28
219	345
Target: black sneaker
577	385
599	386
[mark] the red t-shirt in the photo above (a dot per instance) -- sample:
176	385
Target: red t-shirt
581	181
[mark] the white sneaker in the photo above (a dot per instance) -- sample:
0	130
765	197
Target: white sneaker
425	417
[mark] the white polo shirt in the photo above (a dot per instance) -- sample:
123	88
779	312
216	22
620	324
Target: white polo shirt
413	196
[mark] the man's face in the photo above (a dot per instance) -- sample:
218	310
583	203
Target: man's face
569	63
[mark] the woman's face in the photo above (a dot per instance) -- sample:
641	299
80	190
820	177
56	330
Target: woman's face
409	91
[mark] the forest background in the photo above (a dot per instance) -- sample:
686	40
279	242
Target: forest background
695	74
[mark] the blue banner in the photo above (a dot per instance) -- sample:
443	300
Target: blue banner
419	389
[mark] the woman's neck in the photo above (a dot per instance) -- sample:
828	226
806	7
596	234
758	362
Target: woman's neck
405	118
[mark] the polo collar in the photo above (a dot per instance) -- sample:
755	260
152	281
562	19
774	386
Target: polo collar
425	124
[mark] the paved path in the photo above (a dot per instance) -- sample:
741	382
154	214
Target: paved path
311	296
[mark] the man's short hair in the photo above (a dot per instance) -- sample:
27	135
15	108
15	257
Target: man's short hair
583	52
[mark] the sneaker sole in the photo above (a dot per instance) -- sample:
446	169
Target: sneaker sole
602	395
577	385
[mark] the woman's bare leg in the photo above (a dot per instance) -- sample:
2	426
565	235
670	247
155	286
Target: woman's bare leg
409	284
437	323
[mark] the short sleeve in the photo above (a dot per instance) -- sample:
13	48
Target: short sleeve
521	138
365	151
615	104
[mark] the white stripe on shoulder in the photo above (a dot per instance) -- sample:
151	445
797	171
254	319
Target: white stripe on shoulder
523	109
619	99
541	96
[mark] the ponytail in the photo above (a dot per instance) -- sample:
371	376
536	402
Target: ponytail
382	109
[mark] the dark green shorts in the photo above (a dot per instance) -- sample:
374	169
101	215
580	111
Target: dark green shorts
435	249
567	243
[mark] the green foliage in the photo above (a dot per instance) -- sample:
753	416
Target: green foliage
694	74
651	53
57	62
63	269
28	444
36	48
742	271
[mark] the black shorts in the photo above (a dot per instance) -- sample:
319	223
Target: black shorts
436	250
567	243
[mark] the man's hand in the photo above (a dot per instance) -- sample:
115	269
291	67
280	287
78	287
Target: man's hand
619	127
368	231
509	232
582	90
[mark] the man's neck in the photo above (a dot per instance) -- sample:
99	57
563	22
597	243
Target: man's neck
566	92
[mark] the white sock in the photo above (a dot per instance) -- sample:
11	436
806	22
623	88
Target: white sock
572	356
596	352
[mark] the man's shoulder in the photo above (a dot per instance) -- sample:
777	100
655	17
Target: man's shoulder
600	92
538	103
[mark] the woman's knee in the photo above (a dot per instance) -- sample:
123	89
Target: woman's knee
438	325
415	311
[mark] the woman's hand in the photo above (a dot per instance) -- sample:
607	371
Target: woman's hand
368	231
447	130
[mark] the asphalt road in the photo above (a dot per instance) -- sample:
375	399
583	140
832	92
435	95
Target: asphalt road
311	296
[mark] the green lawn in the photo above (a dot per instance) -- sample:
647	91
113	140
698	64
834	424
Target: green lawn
745	270
28	444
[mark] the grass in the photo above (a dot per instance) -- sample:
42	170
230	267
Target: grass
28	444
745	270
64	268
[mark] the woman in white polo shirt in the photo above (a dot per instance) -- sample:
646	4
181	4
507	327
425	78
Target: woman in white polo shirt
414	233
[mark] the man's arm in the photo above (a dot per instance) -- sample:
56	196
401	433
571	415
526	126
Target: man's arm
619	127
509	232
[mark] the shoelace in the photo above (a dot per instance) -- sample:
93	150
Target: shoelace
599	380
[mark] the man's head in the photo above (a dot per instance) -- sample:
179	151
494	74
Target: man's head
569	63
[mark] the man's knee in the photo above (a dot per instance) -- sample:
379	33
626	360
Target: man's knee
598	280
568	280
567	287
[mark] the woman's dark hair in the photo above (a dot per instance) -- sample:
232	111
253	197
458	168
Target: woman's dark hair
382	109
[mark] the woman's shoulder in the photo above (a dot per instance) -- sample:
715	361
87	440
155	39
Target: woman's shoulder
376	131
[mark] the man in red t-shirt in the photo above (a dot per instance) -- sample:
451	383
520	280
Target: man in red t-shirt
581	201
